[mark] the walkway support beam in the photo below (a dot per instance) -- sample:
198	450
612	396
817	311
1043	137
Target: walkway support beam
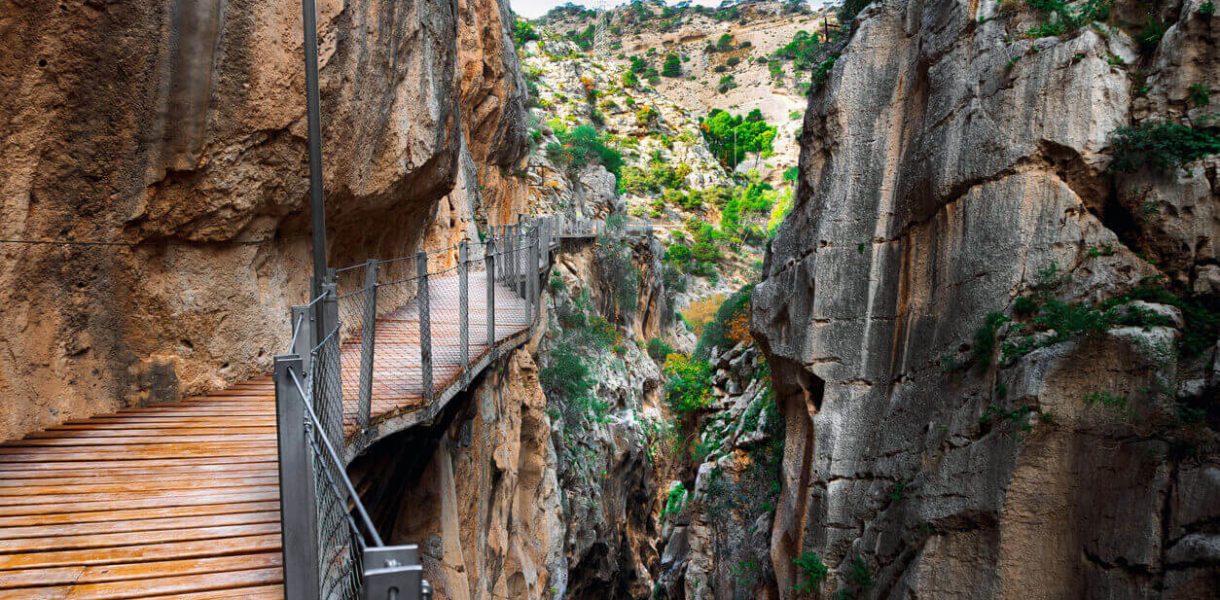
298	514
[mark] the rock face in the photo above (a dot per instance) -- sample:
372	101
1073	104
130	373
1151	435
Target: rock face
176	130
951	166
487	507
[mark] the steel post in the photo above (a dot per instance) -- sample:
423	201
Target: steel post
425	324
298	515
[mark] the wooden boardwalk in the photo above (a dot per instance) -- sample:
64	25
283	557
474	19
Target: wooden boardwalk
182	500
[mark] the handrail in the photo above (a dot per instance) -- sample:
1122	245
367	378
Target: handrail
320	561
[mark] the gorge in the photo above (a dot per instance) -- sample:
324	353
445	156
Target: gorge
894	299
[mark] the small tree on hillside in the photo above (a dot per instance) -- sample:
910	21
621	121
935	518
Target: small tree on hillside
672	66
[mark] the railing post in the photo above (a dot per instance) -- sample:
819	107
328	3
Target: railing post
425	324
368	338
489	256
464	311
298	516
307	336
394	573
330	417
531	273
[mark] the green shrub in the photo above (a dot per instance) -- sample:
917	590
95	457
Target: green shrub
726	83
733	61
1207	8
675	501
630	80
858	574
1150	36
567	378
658	349
725	43
1164	145
716	332
672	66
524	32
985	338
812	572
581	146
688	388
619	274
1200	94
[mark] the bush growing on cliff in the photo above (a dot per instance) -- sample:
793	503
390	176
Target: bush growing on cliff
619	275
672	66
567	377
524	32
581	146
688	387
716	333
813	572
1164	145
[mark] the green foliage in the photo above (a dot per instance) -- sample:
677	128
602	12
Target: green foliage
1199	94
779	212
675	501
898	492
726	83
1164	145
581	146
1207	8
619	275
802	50
776	69
658	178
672	66
985	338
1063	18
731	137
791	174
813	572
524	32
567	377
851	8
688	387
630	80
584	38
1017	416
1107	399
1150	36
822	72
725	43
715	333
658	349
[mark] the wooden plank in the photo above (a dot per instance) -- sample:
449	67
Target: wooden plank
131	572
176	585
132	525
156	536
142	501
124	485
133	515
141	553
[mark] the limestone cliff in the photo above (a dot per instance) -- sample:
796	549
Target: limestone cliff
174	133
952	428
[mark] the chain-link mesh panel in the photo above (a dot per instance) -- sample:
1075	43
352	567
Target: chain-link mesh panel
338	550
327	388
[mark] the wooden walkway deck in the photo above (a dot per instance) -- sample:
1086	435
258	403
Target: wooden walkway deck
182	500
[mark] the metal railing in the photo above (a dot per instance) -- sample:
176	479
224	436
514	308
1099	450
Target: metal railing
332	550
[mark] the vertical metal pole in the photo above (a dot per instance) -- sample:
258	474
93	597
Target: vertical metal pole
464	311
489	255
368	338
307	337
532	273
317	202
298	517
425	324
329	417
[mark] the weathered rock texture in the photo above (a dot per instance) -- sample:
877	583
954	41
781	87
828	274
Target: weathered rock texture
948	164
486	509
176	129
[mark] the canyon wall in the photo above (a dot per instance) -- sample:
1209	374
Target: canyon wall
174	133
952	429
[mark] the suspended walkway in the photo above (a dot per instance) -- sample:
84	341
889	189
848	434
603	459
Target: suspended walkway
243	493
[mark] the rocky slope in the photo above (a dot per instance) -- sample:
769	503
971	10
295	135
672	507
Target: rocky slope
993	351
